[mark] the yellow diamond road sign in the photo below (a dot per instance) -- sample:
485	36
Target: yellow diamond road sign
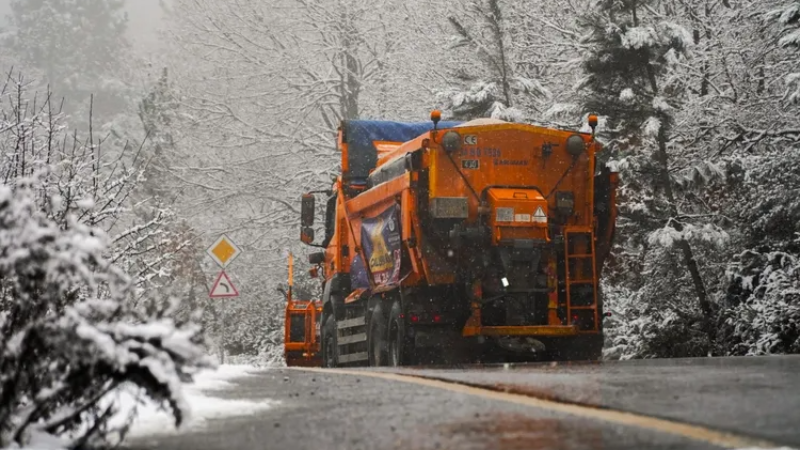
223	251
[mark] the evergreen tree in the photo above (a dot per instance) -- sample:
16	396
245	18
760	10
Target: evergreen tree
630	80
76	44
157	112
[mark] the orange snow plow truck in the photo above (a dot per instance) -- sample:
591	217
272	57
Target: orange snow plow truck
481	240
300	339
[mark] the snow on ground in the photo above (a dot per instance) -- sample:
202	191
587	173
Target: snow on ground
205	405
43	441
151	420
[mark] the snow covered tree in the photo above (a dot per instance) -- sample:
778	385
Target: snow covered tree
763	308
76	44
69	332
630	80
789	18
157	111
489	81
180	276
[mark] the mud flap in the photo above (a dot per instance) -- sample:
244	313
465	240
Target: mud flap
520	344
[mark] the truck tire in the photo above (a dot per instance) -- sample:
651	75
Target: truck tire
329	345
398	351
376	344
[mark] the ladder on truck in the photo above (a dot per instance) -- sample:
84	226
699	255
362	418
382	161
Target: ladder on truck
581	279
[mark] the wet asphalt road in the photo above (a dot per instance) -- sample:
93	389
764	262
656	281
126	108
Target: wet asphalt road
756	397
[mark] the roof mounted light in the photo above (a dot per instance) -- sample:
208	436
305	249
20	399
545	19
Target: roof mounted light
593	124
436	116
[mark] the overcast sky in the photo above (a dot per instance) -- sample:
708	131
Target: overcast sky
145	16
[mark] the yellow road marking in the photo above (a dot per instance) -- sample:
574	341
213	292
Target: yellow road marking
695	432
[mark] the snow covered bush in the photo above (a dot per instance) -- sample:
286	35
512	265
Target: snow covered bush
68	337
767	321
763	295
69	332
657	317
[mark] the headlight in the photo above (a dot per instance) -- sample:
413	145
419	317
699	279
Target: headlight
451	142
575	145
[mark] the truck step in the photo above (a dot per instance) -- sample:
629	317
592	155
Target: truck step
353	357
350	323
352	339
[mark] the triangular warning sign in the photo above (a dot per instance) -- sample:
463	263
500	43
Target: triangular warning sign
540	216
223	287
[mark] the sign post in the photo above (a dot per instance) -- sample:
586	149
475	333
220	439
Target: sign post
223	251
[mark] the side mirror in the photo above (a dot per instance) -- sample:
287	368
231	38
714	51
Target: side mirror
307	235
283	291
307	210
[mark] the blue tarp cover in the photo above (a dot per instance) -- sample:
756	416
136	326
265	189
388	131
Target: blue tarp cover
360	135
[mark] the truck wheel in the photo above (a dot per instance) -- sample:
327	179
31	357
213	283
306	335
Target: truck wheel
377	338
398	350
329	346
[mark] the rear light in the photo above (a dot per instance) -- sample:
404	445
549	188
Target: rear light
425	317
477	290
574	319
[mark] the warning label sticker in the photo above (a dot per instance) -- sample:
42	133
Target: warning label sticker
539	216
505	214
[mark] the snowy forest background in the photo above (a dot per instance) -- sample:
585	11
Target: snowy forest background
124	157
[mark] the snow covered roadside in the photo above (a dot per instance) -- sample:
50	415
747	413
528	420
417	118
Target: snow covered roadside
150	420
